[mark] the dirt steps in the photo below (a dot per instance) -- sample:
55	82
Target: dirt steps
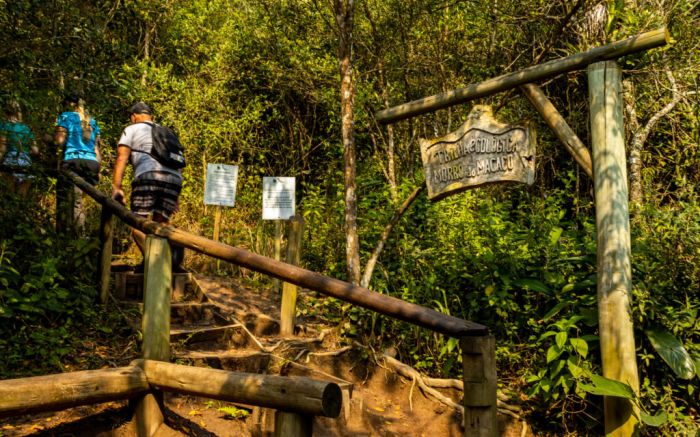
222	324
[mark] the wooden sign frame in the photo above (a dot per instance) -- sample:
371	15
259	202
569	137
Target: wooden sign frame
482	151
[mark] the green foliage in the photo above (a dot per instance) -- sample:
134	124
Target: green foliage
47	289
233	412
608	387
673	353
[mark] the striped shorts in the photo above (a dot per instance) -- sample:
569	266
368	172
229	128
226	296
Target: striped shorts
155	193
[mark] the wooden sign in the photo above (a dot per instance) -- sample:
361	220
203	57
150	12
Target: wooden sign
482	151
278	198
220	185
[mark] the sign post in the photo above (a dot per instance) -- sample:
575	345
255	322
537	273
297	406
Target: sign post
278	198
278	204
220	190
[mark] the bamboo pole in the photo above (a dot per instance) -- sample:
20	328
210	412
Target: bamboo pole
291	394
289	291
479	374
105	267
559	125
641	42
387	305
66	390
156	326
613	227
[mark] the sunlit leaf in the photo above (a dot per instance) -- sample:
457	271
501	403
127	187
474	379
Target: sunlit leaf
673	352
580	346
554	235
603	386
553	353
561	338
656	420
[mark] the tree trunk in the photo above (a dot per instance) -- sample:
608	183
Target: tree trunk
390	147
344	18
640	134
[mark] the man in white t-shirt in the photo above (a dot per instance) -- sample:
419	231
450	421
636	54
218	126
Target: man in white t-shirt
156	188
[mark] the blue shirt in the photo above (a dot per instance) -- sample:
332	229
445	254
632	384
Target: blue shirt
19	140
76	146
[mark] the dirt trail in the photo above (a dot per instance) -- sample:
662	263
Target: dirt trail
377	402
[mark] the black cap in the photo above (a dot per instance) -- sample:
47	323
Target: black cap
140	108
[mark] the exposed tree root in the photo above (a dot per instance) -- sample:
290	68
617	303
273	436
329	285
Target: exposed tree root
428	385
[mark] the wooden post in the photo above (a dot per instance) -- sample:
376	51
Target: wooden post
293	424
277	251
479	365
217	222
289	291
156	326
613	228
217	230
105	267
559	125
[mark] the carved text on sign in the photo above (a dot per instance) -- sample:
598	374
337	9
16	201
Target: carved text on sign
481	151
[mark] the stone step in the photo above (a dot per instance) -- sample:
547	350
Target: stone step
225	336
249	361
192	313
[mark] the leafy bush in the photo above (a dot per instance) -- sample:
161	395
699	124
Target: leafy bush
47	288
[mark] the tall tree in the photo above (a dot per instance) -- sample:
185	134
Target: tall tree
344	15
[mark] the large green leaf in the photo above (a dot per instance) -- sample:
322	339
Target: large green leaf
673	352
608	387
580	345
656	420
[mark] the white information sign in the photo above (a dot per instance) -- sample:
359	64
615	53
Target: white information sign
220	187
278	198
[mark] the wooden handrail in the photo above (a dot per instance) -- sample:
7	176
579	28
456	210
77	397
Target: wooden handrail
65	390
57	392
381	303
292	394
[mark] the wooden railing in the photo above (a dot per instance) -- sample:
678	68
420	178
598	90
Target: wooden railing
478	346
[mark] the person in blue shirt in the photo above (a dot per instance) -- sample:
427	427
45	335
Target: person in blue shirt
17	147
79	136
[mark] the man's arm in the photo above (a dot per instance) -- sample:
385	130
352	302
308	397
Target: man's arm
59	137
123	153
98	153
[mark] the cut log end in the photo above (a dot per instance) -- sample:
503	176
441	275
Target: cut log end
332	400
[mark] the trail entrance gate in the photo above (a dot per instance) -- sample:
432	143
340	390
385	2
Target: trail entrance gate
609	173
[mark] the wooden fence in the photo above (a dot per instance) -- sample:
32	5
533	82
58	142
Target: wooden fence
146	379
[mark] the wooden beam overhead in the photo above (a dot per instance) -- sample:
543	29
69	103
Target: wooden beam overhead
641	42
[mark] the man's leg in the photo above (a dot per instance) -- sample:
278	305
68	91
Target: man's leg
79	213
177	251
